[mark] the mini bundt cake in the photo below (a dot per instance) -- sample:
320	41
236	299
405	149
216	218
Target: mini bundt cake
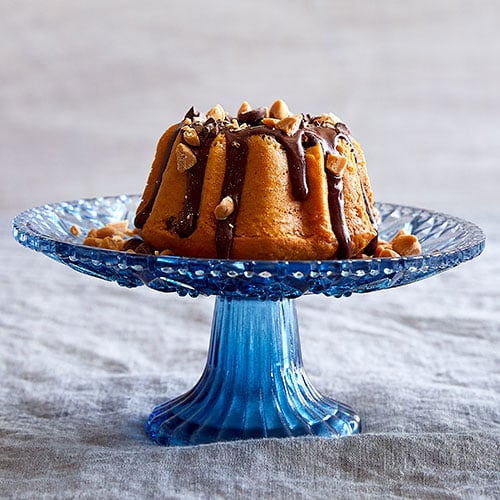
267	184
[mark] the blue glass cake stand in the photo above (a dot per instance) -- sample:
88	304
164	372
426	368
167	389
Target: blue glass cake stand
254	384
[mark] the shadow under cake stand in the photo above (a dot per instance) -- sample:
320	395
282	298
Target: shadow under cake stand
253	384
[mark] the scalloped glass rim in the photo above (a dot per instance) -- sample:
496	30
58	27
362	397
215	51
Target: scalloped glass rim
446	242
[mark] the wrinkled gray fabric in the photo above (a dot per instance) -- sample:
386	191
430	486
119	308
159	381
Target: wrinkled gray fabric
83	362
86	90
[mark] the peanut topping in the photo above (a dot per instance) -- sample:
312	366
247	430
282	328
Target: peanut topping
329	119
403	244
217	113
336	164
270	122
387	252
190	136
75	230
290	124
186	159
224	209
110	236
380	248
120	226
105	231
111	243
279	109
406	244
244	108
234	125
91	241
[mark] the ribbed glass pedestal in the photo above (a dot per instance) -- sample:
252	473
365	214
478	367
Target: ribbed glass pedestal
253	385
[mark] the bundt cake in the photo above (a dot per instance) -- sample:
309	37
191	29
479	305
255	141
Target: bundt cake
266	184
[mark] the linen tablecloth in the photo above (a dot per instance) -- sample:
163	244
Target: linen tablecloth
86	90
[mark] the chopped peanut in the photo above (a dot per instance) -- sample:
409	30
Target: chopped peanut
279	109
224	209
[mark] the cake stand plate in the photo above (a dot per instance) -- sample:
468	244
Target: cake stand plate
254	384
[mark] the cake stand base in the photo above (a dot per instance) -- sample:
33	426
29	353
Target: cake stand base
253	385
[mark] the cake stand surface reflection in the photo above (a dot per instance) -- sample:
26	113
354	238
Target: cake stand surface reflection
253	384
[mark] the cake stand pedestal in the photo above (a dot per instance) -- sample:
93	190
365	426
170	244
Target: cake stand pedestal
254	384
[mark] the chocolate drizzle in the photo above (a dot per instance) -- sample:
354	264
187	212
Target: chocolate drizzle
237	146
234	177
195	175
252	117
328	138
142	216
337	215
236	157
